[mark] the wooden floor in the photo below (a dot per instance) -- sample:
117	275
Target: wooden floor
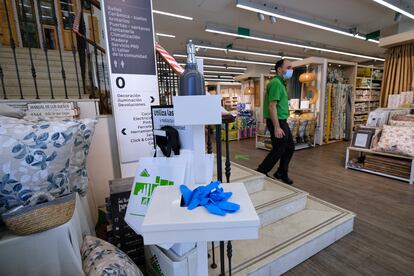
383	239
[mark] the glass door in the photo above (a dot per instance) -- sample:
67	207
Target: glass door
48	18
27	23
67	15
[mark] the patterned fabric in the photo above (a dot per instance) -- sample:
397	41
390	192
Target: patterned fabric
78	178
409	118
34	160
402	123
399	140
78	174
100	258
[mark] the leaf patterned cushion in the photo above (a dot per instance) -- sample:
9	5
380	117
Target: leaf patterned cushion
78	177
100	258
34	160
395	139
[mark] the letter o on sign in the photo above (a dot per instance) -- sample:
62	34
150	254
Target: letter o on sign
120	82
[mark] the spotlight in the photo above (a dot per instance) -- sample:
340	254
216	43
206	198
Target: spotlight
261	17
397	17
272	19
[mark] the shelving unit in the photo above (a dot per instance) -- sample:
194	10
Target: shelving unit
367	93
410	180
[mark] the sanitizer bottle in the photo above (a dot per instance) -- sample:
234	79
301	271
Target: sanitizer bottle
191	81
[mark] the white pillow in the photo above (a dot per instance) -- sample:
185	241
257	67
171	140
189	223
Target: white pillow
396	139
8	111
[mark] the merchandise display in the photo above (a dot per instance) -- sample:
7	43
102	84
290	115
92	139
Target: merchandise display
387	147
338	103
367	93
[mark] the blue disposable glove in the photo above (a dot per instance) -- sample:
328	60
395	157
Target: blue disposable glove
211	196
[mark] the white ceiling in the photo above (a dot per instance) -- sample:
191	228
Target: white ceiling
366	15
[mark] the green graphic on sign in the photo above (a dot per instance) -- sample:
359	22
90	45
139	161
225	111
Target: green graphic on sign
144	173
148	188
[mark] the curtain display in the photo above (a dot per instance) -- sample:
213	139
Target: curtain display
337	117
398	71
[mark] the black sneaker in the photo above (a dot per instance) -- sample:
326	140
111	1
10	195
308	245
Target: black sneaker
284	178
259	171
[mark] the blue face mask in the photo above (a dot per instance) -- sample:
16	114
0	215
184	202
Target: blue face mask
288	74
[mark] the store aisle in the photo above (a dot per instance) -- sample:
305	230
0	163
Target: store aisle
383	239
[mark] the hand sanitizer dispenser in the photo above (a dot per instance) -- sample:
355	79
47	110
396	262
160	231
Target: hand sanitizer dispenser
191	81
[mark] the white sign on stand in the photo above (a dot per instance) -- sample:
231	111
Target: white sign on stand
134	87
164	116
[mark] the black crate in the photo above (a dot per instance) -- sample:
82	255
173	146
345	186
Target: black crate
122	235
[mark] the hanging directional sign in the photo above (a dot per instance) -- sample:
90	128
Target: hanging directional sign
131	55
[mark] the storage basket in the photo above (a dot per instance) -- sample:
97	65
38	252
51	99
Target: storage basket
32	219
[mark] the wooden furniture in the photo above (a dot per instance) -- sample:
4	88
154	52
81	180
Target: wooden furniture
410	180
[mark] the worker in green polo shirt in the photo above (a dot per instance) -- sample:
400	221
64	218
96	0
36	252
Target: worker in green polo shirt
276	112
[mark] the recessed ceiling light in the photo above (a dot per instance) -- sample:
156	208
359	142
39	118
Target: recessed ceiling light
166	35
217	31
229	60
395	7
247	52
223	72
219	80
254	7
172	14
217	77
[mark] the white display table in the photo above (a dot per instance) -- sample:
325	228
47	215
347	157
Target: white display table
167	222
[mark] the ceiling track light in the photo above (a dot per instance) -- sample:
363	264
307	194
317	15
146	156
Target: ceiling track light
220	67
227	50
166	35
396	6
219	80
229	60
272	19
223	72
172	14
292	44
262	9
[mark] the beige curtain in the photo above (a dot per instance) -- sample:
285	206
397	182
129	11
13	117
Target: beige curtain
398	71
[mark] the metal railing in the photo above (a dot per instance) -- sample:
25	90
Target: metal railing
85	51
227	119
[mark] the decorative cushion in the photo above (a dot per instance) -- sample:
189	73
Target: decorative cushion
78	177
8	111
102	258
34	160
395	139
403	118
78	174
402	123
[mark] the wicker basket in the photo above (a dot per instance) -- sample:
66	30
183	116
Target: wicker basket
38	218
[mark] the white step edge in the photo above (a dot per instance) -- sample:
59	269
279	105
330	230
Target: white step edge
291	252
287	201
253	181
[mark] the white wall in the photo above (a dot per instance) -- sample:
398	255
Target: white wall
103	161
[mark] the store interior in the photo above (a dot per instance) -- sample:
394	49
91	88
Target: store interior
120	158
